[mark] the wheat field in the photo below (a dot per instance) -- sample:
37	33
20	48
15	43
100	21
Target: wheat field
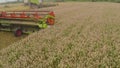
86	35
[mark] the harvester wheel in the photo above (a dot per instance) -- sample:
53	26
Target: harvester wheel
18	32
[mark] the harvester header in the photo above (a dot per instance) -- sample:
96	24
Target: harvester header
28	15
20	20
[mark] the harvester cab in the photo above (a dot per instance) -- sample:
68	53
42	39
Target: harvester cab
34	3
40	3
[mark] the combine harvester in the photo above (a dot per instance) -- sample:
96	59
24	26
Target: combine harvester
27	22
40	3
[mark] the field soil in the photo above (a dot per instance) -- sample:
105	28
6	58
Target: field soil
85	35
8	38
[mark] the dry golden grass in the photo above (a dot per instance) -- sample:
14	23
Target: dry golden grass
13	7
86	35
